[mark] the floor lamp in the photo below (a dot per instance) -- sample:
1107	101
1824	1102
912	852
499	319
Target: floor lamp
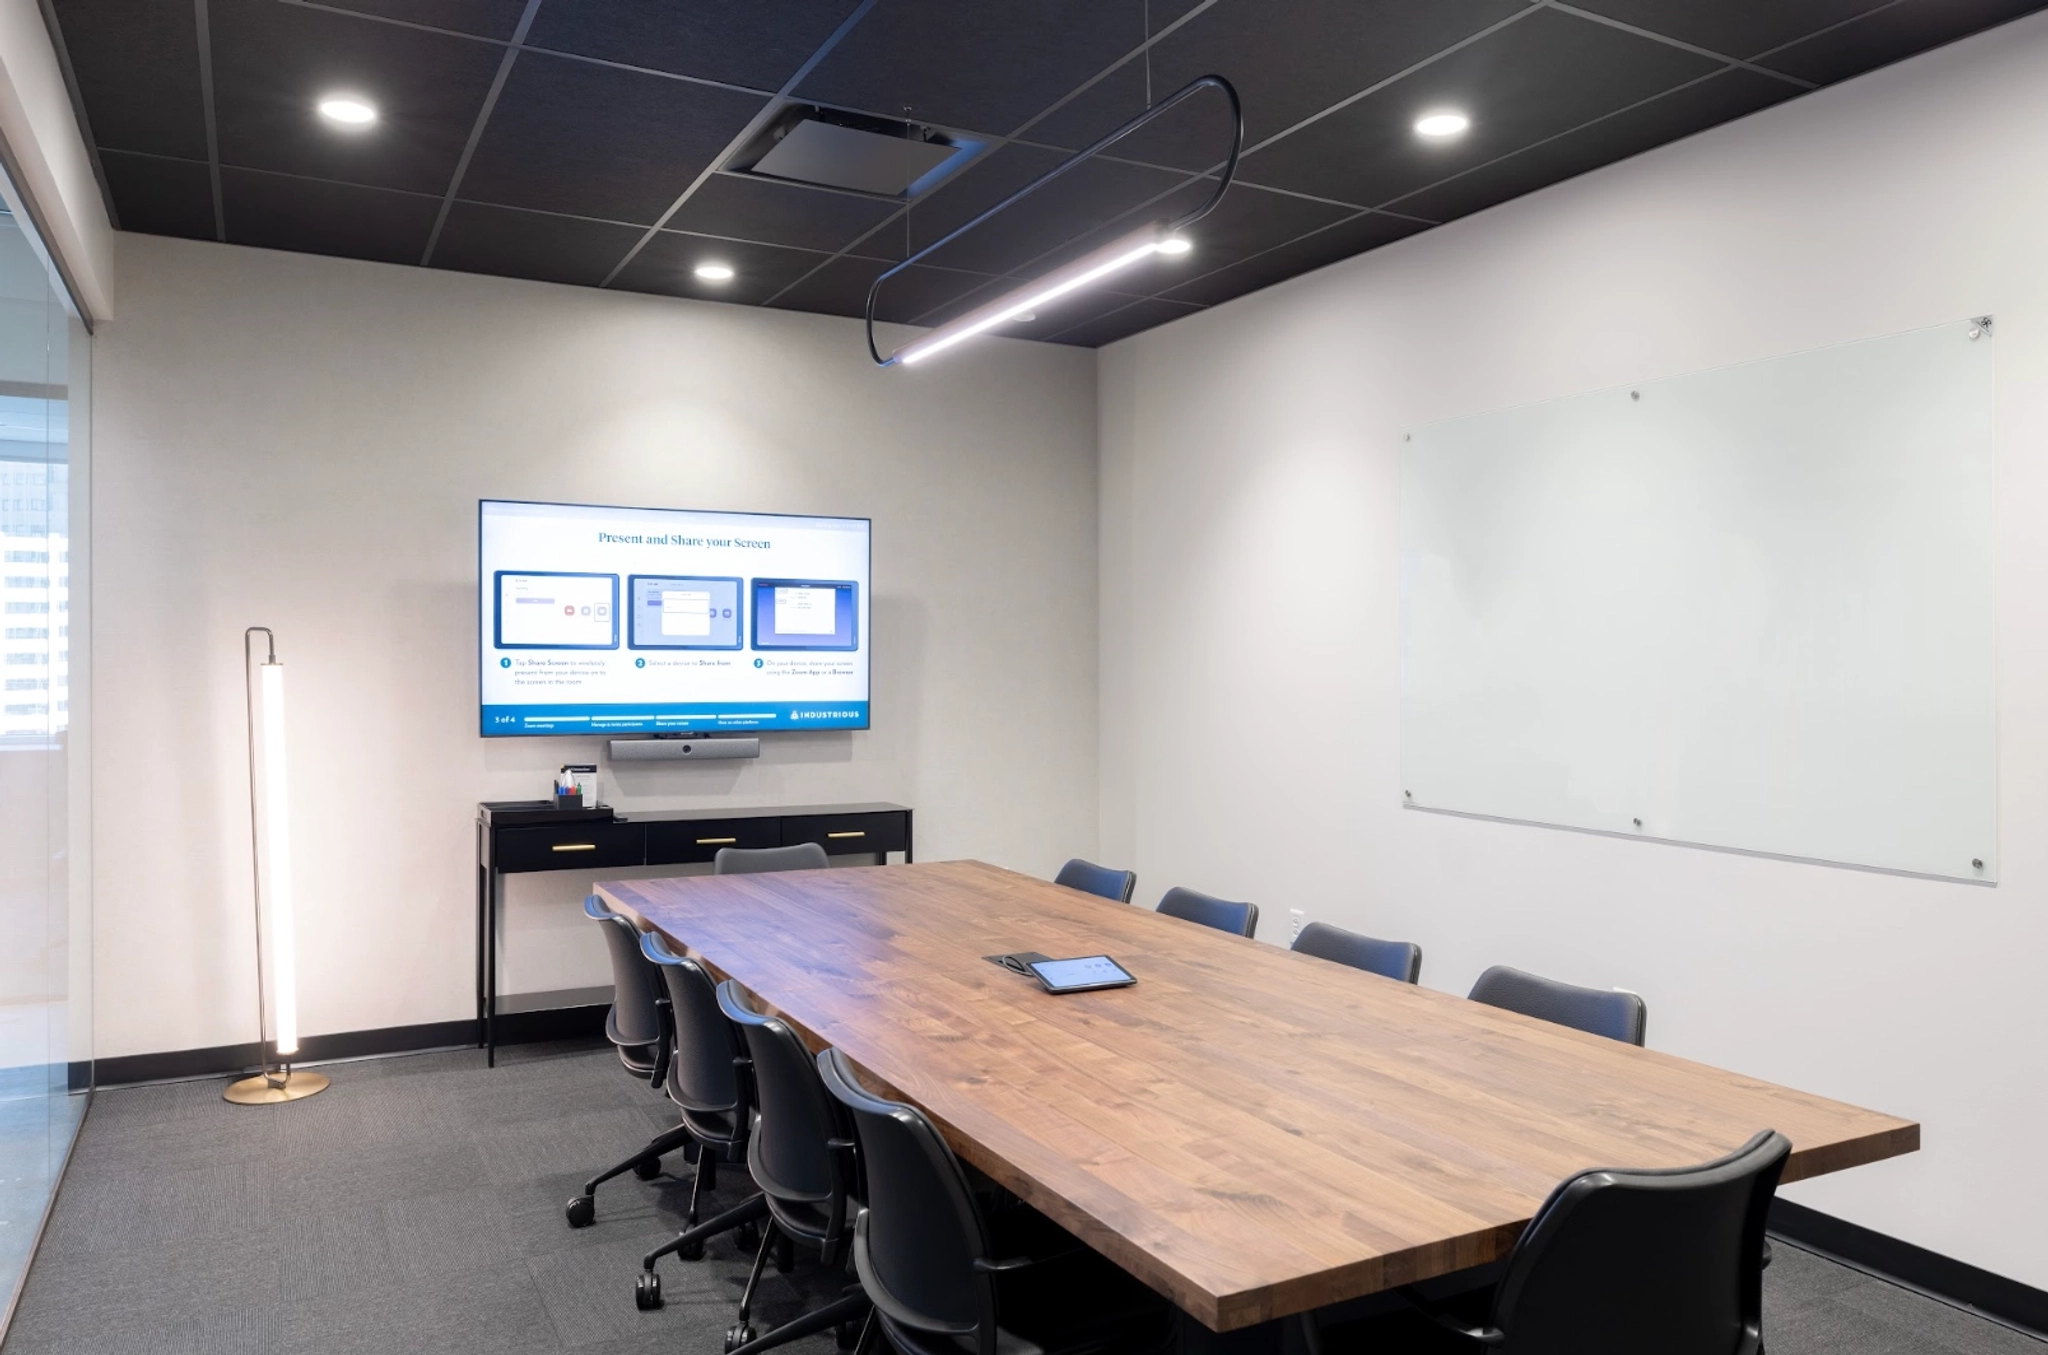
270	841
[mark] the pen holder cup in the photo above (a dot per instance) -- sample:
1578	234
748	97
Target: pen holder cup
573	800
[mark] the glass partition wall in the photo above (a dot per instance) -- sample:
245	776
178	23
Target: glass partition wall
45	910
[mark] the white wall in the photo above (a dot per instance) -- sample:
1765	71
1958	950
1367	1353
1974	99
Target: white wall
300	442
1249	475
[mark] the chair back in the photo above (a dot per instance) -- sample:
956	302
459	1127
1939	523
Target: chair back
1241	919
1390	959
1089	878
918	1239
1620	1262
635	1018
791	1151
703	1072
760	860
1598	1011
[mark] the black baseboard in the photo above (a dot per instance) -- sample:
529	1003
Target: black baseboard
1995	1296
560	1023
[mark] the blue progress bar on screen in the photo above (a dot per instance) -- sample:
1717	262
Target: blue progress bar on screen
644	718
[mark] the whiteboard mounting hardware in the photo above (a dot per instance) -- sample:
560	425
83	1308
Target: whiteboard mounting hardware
1980	327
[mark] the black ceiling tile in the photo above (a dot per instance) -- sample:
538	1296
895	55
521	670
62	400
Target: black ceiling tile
1737	28
515	244
1128	318
738	42
1248	220
668	265
1717	99
986	181
1083	208
1288	59
779	214
841	288
1528	81
486	18
1892	34
1299	256
276	211
137	67
979	66
273	62
585	140
159	196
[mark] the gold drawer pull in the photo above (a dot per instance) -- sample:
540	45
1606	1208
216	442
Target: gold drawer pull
575	847
716	841
846	835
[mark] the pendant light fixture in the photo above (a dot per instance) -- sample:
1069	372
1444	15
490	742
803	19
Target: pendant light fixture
1159	238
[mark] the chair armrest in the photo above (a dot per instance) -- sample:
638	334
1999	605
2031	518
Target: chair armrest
984	1266
1485	1336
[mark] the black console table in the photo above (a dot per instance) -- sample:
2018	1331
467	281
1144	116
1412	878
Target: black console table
510	842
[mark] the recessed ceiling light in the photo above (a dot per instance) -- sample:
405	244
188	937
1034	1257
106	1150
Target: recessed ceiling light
1026	318
1175	244
715	272
1437	126
347	110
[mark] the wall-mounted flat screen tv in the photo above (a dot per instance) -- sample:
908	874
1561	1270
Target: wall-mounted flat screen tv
595	620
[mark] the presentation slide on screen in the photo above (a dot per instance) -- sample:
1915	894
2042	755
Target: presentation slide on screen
645	620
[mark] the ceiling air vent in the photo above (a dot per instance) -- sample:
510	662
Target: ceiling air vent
876	156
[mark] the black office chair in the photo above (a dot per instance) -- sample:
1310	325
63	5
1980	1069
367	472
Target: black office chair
1089	878
801	1155
1616	1262
939	1281
1390	959
1241	919
760	860
1598	1011
637	1026
707	1081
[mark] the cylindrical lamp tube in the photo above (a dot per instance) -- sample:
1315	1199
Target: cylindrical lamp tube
275	868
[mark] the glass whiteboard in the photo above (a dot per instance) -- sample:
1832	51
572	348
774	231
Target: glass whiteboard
1747	608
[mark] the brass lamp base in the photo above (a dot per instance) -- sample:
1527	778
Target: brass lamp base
264	1091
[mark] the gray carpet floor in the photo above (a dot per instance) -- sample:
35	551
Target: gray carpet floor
416	1207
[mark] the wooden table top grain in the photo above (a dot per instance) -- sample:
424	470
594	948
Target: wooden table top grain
1252	1132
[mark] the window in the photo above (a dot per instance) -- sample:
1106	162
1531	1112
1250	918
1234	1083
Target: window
28	684
26	608
28	557
28	633
30	657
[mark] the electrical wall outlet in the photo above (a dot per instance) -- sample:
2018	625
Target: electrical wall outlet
1296	919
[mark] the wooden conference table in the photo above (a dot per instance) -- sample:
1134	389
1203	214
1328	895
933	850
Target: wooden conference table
1251	1132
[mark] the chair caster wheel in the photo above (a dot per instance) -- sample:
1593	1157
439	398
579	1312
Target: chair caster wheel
648	1169
746	1237
582	1212
691	1251
735	1337
647	1292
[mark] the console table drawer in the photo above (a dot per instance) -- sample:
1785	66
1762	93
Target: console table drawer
681	841
847	834
571	847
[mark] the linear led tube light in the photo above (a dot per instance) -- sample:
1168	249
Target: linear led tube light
1082	272
275	862
1161	237
270	842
